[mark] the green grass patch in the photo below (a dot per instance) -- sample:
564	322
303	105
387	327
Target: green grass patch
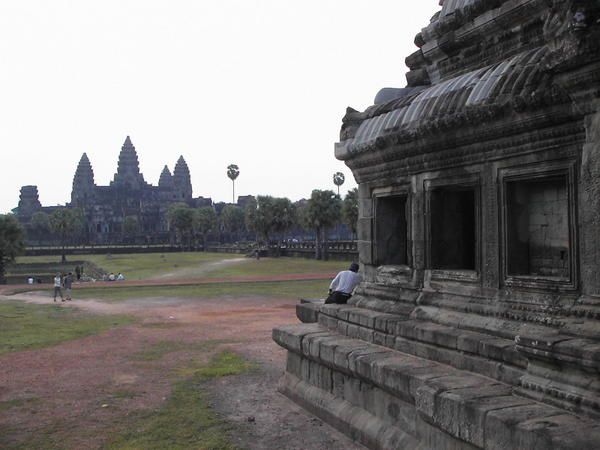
223	364
278	266
124	394
160	349
185	421
50	437
141	266
17	403
25	326
285	289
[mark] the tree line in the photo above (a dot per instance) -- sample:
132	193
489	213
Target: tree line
267	218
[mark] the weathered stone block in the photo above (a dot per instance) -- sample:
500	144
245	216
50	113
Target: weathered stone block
437	334
503	427
307	312
432	438
294	364
291	336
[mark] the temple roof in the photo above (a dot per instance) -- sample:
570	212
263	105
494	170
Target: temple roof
480	87
450	6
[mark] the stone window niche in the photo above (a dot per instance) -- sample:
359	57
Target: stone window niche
391	231
452	210
453	228
538	228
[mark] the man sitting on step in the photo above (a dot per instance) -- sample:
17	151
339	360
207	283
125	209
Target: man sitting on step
343	285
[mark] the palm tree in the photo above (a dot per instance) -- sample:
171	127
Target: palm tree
205	222
350	210
65	222
338	180
232	172
322	212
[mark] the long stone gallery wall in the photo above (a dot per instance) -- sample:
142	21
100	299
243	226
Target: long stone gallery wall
477	324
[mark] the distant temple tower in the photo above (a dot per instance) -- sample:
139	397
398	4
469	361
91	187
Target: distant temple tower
83	182
29	201
182	180
128	171
166	185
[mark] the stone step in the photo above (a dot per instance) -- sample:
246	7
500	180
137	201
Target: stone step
474	410
399	332
498	339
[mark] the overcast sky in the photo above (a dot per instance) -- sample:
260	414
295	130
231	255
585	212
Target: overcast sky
260	83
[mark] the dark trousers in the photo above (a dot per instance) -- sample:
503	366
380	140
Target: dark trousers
337	297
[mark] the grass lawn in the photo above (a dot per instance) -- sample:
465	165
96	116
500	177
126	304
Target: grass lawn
25	327
140	266
143	266
287	289
279	266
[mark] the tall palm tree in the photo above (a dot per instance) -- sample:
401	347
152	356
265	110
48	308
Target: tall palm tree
232	172
338	180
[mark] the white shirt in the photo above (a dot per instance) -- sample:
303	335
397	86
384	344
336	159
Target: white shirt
57	281
345	281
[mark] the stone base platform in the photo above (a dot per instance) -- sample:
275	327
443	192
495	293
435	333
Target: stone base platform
391	382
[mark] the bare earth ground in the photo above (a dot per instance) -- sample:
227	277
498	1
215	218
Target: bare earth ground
80	392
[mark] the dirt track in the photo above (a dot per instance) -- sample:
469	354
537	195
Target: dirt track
68	384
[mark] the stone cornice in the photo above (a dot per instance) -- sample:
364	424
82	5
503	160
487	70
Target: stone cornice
527	133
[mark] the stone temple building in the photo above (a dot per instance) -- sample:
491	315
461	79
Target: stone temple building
477	323
106	208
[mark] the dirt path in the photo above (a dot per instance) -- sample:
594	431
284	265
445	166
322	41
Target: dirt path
78	393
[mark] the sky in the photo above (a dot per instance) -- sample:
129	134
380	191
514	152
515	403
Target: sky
263	84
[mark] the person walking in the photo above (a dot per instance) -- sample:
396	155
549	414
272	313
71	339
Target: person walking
68	283
57	287
342	286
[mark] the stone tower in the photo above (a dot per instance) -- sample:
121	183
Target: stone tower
29	201
128	172
182	180
83	182
166	186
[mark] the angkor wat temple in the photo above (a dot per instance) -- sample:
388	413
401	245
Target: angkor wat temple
105	208
477	324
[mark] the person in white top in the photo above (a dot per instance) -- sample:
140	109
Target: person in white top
57	287
342	286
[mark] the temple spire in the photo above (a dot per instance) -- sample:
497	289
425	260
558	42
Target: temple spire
128	170
182	180
83	182
166	179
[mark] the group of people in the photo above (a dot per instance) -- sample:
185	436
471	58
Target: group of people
66	281
112	277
